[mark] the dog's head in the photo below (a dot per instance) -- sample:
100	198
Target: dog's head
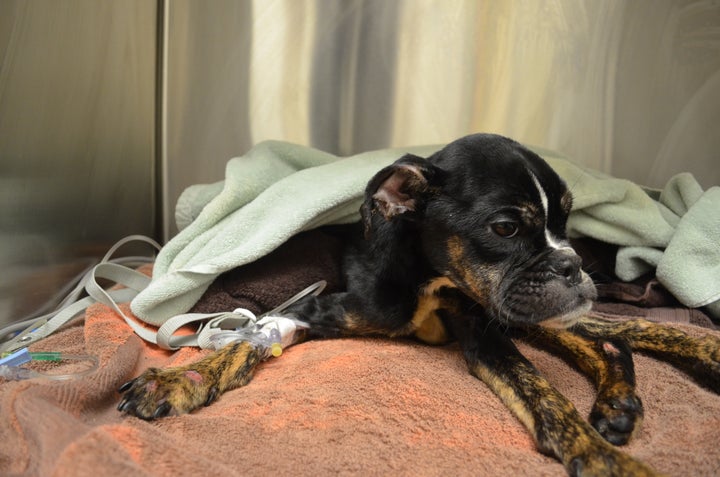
490	215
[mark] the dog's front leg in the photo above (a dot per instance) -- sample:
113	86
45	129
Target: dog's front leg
160	392
617	411
553	421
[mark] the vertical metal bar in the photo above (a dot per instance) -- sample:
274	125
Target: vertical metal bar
160	193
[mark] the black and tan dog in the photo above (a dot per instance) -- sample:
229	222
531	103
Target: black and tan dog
469	244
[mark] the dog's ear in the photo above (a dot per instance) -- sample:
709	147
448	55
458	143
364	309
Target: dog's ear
399	189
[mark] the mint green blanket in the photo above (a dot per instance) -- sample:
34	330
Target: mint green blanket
279	189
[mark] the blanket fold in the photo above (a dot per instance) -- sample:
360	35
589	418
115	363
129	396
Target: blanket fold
689	264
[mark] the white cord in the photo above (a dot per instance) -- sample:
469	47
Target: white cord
77	287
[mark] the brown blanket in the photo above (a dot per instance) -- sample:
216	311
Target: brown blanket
350	406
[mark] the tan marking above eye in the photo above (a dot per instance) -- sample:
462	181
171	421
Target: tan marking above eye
530	214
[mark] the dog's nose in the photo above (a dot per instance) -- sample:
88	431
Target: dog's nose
566	264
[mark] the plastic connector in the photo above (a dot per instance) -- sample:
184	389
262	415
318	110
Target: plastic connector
16	373
271	334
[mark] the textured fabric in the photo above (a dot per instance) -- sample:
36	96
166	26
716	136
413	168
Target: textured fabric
334	407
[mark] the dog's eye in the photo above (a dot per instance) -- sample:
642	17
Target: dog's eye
505	229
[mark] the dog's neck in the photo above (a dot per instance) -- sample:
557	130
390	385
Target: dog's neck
408	267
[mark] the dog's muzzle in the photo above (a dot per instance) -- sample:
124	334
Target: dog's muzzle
552	291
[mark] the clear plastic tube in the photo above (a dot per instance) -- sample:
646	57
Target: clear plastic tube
10	365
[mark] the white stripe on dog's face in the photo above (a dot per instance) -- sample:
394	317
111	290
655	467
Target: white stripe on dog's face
552	241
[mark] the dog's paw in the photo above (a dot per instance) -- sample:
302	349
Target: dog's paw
161	392
607	461
616	414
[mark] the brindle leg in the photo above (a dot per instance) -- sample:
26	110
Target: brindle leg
699	357
617	411
555	424
159	392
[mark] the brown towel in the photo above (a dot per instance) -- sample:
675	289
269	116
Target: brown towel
262	285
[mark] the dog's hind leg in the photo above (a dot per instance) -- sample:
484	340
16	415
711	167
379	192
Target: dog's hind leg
617	411
553	421
698	357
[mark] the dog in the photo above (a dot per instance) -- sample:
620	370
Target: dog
469	244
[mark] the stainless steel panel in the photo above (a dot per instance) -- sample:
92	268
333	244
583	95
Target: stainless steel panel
77	128
667	96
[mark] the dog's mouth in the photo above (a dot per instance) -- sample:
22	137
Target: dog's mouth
554	303
568	319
